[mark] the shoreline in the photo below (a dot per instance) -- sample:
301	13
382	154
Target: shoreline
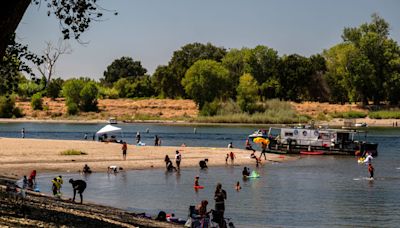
44	155
336	122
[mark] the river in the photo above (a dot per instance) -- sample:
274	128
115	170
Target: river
314	191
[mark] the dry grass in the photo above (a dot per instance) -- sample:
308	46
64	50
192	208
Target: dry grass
119	108
314	109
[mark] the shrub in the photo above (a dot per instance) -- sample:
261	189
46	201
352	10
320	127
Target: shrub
88	97
37	102
73	152
349	114
385	114
54	87
7	107
72	108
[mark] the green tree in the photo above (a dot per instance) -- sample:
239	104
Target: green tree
125	67
205	80
237	63
7	107
88	97
37	102
184	58
54	88
376	52
247	93
164	82
337	74
71	90
74	17
295	73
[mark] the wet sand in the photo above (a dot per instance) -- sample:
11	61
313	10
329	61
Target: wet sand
19	156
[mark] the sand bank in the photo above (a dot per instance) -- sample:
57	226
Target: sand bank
19	156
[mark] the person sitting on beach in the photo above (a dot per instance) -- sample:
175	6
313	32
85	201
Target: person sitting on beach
230	145
25	182
171	167
248	146
113	169
86	169
203	164
78	186
167	160
245	172
32	179
202	209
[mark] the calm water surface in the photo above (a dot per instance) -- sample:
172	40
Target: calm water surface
319	191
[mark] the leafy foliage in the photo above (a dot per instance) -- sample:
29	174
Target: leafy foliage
7	107
247	93
206	80
37	102
80	94
54	88
125	67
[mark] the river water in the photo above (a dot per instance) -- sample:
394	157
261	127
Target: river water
314	191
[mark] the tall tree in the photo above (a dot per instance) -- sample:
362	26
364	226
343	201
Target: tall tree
51	55
74	16
376	52
205	80
164	82
247	93
295	73
184	58
124	67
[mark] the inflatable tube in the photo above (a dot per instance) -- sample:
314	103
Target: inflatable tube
312	152
198	187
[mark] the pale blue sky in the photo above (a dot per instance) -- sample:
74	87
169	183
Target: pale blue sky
151	30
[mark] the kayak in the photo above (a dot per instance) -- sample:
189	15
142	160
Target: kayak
312	152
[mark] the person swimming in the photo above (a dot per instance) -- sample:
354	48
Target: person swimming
196	181
238	187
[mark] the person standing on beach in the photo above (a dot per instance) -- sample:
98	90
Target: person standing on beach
220	197
232	156
124	149
78	186
23	132
156	140
55	188
264	150
61	182
137	137
178	158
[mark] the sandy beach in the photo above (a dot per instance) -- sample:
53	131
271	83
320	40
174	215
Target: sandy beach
19	156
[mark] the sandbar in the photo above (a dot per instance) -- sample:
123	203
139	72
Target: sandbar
18	157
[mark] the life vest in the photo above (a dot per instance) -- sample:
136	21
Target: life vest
56	183
60	180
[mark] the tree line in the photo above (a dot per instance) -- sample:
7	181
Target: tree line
364	67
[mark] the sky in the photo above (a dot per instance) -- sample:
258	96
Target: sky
150	31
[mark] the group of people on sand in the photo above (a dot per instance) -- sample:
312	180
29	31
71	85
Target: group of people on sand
203	214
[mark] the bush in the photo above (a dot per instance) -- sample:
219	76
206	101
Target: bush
73	152
54	87
385	114
37	102
88	95
349	114
7	107
72	108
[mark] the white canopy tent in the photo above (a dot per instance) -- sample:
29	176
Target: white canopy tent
108	129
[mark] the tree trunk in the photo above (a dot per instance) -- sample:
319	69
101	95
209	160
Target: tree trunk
11	13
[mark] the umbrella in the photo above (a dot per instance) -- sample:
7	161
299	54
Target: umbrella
107	129
261	140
